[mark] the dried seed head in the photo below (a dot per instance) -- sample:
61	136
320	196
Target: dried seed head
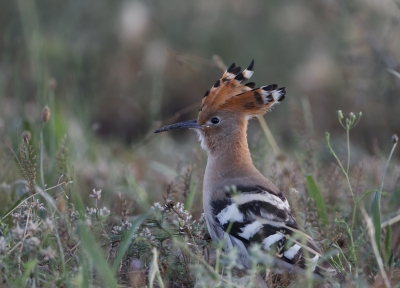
34	227
32	243
17	233
48	225
45	114
48	253
395	138
26	136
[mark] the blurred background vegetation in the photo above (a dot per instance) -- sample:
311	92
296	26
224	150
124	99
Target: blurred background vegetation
114	71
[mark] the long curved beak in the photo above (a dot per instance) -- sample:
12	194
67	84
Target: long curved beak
191	124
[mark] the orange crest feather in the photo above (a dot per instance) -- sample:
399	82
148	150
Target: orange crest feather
229	94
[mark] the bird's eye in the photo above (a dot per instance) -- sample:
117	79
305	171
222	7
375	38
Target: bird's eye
215	120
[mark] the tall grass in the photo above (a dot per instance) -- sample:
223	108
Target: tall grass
51	235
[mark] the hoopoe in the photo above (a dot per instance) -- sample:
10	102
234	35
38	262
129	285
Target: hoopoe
256	211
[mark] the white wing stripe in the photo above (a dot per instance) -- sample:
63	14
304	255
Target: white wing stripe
265	197
230	213
313	262
249	230
271	240
289	254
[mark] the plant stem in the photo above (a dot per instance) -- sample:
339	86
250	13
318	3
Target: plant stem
348	149
353	252
41	157
386	166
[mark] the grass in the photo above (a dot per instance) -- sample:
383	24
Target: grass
93	211
58	235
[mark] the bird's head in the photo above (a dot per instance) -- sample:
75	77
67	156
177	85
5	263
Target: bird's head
227	106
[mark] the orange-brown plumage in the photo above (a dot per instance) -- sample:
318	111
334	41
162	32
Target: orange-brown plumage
229	93
228	86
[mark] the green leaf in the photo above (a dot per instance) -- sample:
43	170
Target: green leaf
316	195
124	245
95	254
376	217
388	243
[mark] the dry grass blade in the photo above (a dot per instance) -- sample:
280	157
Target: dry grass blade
155	271
390	221
371	233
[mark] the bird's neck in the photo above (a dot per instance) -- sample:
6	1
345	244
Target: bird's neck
231	158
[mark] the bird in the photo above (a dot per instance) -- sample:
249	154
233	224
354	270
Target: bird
241	206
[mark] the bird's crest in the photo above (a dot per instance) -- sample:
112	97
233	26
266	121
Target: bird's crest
230	94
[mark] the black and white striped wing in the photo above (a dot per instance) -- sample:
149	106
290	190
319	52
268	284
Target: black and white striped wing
257	215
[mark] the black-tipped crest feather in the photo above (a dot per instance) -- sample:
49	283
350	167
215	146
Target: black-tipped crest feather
251	66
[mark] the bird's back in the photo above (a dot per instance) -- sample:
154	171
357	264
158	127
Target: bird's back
253	210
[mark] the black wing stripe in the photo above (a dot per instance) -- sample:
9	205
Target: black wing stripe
260	216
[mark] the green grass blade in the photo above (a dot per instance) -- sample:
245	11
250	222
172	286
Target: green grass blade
127	239
29	267
96	256
190	198
388	244
376	217
316	195
81	279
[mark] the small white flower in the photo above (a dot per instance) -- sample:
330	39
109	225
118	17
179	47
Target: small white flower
146	233
157	207
91	211
36	205
127	225
116	229
104	211
96	194
16	216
